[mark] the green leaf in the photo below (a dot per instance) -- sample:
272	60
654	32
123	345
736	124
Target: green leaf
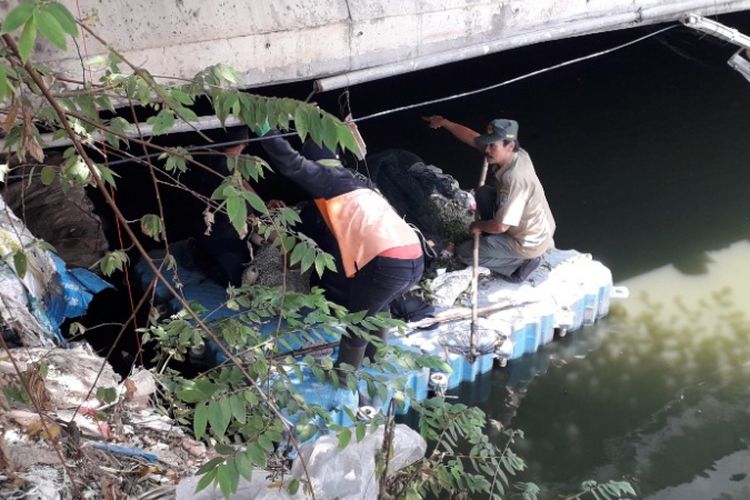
255	202
106	394
219	415
20	263
361	431
6	88
237	403
113	261
48	174
237	211
107	175
162	122
18	16
191	395
28	37
105	102
330	132
152	226
315	126
344	437
307	259
181	97
244	466
265	441
301	122
320	264
211	465
256	454
63	16
293	486
348	141
297	253
200	419
75	328
120	125
50	28
207	479
228	478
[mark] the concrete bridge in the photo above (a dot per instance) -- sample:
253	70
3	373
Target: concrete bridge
277	41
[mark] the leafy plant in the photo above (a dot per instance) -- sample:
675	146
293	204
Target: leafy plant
604	491
464	462
243	407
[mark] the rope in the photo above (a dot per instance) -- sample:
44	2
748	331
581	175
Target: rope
516	79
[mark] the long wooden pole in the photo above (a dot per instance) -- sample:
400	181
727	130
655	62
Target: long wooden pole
475	272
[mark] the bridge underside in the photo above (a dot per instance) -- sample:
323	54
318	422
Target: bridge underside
277	41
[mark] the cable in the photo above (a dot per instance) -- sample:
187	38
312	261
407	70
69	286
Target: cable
514	80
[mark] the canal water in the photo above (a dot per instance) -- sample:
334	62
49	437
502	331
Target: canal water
645	157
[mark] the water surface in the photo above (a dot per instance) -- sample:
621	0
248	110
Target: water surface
645	157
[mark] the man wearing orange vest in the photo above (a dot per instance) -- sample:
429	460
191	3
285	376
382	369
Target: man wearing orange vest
380	254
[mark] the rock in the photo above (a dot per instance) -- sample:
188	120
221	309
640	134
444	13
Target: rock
63	218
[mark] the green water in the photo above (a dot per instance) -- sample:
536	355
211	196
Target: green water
645	157
658	393
646	161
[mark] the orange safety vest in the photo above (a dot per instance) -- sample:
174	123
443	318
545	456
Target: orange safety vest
364	225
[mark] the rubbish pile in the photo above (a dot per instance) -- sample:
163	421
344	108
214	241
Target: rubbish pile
37	291
112	439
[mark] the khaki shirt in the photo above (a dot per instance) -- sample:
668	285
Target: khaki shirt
522	205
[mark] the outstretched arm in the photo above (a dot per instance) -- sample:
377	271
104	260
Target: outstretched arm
460	132
315	179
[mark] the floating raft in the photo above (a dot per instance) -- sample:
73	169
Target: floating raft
567	291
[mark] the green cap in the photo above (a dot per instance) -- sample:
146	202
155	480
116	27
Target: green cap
499	129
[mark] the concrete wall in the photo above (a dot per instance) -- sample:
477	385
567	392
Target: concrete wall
273	41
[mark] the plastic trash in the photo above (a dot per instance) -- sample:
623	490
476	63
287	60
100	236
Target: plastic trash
36	303
347	474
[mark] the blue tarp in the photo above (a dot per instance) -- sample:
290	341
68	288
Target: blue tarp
69	294
197	287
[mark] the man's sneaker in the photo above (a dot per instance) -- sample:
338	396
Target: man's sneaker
524	270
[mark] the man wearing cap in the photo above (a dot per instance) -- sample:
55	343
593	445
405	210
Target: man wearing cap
514	217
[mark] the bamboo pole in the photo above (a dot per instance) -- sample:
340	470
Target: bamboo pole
475	272
463	314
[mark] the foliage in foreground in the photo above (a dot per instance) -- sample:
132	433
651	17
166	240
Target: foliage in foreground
247	408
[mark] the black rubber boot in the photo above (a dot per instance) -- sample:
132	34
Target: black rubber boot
382	334
351	355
